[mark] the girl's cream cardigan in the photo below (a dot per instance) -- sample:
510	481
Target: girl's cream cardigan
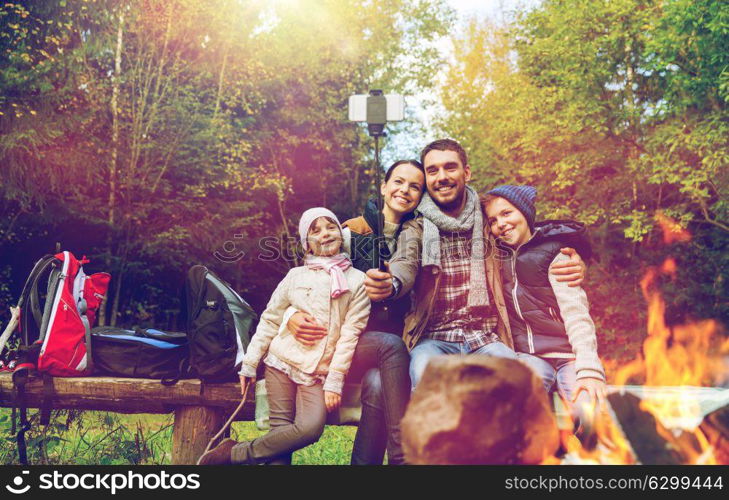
345	317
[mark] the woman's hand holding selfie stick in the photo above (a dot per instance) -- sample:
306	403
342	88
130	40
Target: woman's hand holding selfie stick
378	284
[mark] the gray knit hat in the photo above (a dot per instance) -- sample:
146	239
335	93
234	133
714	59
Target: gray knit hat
522	197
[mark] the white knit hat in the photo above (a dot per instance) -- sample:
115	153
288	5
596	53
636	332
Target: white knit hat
308	217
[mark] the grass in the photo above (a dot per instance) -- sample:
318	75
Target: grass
105	438
334	447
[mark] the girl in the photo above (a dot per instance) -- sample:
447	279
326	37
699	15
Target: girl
303	381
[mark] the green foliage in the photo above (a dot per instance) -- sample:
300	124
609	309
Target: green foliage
102	438
162	131
616	112
333	448
91	438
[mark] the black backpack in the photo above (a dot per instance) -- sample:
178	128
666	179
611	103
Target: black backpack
141	353
218	326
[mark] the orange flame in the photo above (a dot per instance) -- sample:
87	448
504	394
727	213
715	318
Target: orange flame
679	355
672	230
613	448
685	356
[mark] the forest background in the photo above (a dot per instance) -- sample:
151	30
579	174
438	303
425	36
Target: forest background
153	135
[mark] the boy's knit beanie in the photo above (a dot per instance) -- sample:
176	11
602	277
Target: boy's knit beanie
308	217
522	197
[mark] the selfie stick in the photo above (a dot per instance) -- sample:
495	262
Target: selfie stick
376	119
377	109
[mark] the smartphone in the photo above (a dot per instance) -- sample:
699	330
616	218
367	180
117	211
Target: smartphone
358	107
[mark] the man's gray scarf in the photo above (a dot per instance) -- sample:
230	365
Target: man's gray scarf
435	221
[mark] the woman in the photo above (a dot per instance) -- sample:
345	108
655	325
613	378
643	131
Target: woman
381	359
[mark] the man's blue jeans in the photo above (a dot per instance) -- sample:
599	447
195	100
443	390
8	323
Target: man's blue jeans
427	349
381	360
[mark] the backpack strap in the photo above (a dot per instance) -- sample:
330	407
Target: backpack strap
30	294
53	283
82	307
184	368
47	402
34	305
199	274
20	378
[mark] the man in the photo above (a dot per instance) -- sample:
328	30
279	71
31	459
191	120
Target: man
458	304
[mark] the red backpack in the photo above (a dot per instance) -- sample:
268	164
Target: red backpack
71	304
55	339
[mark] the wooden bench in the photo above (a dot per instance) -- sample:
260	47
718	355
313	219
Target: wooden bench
200	409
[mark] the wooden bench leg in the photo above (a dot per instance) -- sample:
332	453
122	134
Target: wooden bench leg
194	427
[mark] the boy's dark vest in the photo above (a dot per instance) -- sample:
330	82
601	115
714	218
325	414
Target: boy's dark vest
536	324
385	316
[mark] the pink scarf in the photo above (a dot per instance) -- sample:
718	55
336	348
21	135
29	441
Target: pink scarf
335	266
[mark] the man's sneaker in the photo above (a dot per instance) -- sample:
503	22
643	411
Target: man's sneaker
220	455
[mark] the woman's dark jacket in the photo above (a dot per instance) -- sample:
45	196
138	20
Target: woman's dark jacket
385	316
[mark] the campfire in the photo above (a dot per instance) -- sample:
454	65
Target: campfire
676	416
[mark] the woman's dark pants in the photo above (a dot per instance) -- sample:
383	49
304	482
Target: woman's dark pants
382	361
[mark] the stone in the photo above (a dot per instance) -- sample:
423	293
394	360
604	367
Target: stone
479	410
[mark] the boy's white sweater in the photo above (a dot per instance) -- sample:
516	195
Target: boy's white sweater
575	311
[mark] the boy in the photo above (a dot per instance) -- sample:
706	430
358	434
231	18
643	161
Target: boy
551	325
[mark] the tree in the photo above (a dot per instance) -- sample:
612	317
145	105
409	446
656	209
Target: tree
177	130
616	112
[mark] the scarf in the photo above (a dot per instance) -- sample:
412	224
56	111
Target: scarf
471	219
335	266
